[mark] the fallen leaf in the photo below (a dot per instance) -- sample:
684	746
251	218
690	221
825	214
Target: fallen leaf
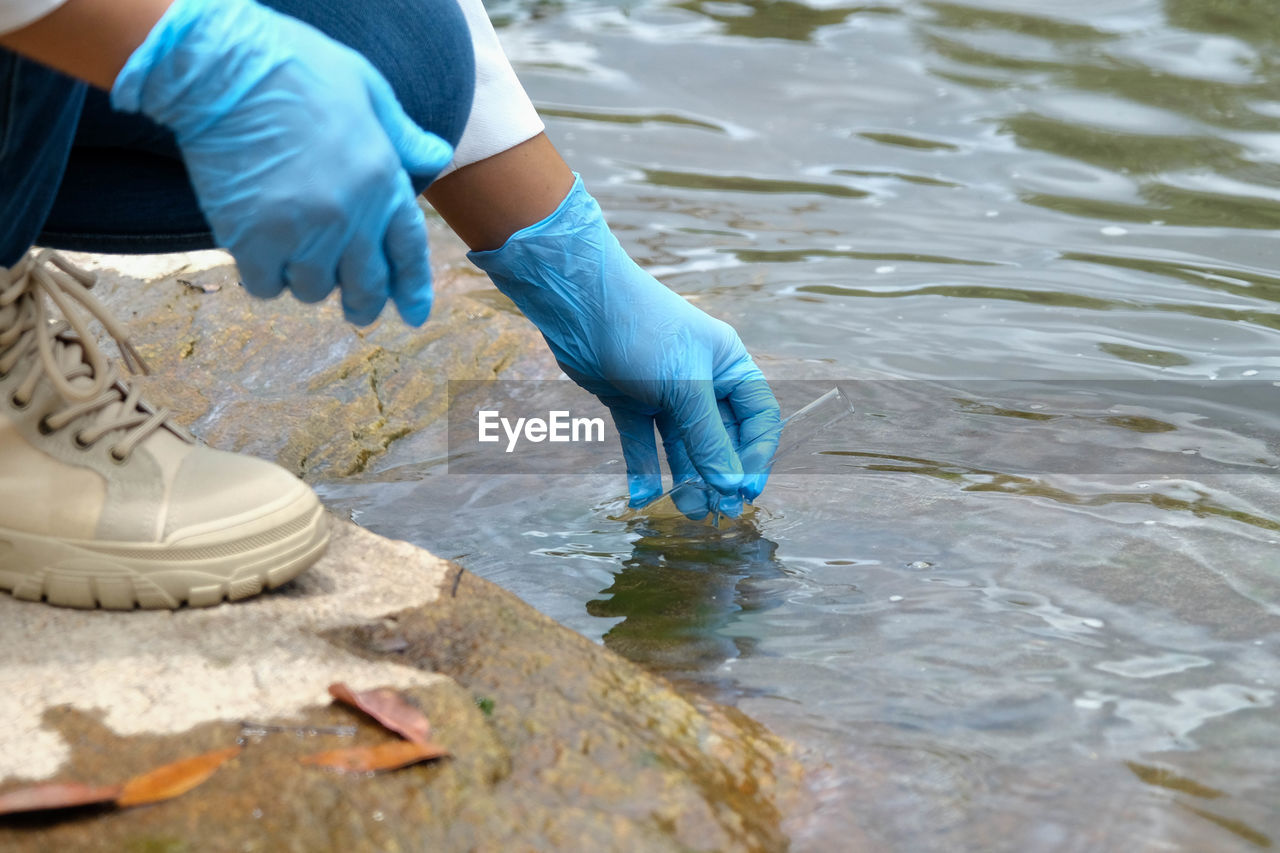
173	780
202	286
387	707
56	795
385	756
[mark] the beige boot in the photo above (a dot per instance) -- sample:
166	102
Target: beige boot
105	501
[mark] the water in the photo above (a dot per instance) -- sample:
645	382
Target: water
1036	613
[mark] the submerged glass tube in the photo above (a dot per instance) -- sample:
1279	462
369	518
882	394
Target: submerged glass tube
798	431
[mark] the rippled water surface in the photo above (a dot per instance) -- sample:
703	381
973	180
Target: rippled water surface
1038	614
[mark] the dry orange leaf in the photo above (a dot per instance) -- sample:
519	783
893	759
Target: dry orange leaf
387	707
56	795
173	780
385	756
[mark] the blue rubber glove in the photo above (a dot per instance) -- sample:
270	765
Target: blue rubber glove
298	151
650	356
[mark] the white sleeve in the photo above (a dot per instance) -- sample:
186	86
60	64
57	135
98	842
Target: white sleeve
502	116
16	14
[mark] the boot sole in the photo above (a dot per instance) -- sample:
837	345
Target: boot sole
238	564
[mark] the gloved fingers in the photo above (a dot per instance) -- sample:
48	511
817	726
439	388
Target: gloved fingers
307	281
730	505
640	451
730	421
407	261
695	414
421	152
313	273
691	494
261	268
694	499
759	421
364	276
682	468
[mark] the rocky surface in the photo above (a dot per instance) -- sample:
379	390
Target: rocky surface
297	384
557	743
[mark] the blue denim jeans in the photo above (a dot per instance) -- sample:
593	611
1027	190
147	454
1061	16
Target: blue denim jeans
76	174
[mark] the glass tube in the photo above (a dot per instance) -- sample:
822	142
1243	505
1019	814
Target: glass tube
798	431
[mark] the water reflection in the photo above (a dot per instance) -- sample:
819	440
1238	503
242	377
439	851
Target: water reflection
775	19
683	583
1237	282
1254	21
1152	110
1163	778
1194	499
1130	153
1058	298
747	184
1232	825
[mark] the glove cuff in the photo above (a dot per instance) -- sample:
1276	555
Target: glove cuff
565	257
171	29
542	265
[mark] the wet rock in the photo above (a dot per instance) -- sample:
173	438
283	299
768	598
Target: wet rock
597	746
556	742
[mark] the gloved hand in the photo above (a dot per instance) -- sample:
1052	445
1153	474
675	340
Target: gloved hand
298	152
649	355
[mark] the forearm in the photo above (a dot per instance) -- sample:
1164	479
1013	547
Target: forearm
488	201
88	39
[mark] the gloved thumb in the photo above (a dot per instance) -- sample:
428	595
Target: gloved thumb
422	153
706	440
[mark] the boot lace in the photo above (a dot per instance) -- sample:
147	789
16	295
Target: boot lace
68	356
